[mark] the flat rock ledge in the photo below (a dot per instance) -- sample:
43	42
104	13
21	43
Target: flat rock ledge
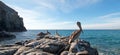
48	46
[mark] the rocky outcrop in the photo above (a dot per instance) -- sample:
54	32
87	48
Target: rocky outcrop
51	45
10	20
6	36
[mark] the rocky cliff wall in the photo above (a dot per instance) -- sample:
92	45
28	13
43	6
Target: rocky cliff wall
10	20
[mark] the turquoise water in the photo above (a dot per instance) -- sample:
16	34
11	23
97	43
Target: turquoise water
106	41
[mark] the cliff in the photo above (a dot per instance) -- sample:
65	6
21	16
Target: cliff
10	20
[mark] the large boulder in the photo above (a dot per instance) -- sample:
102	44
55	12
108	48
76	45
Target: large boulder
10	20
53	48
47	45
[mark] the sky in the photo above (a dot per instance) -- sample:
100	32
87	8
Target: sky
63	14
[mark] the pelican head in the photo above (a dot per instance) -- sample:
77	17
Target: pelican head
79	24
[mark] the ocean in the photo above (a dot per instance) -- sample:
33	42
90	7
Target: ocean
107	42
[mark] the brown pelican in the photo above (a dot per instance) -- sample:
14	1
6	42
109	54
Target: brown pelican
47	32
75	35
57	34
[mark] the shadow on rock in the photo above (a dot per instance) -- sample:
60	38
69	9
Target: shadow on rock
6	36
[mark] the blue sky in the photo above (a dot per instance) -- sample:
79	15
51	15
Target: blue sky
63	14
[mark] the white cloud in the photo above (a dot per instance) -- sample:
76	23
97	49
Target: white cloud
102	26
65	5
110	21
29	16
112	15
46	5
32	20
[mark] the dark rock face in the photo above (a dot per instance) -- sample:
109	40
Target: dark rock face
10	20
6	36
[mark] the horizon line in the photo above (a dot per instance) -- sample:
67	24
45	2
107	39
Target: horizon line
73	29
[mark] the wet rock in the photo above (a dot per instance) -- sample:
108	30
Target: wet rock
92	51
84	43
24	42
6	36
19	43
